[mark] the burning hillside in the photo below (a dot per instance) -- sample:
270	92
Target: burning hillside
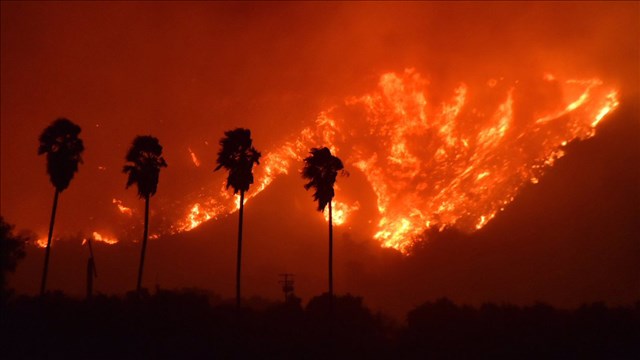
455	163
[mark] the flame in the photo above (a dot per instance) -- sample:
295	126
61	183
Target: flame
196	217
194	158
41	242
449	164
103	239
341	212
123	209
221	203
456	163
199	213
611	102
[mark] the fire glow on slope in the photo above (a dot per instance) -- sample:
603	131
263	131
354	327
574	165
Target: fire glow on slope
97	237
121	208
455	163
41	242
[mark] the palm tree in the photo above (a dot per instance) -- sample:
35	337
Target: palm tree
321	169
144	161
63	147
237	155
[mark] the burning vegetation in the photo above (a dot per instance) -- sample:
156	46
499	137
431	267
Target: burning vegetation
456	162
436	164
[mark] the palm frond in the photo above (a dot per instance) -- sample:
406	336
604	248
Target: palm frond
64	149
237	155
321	169
144	161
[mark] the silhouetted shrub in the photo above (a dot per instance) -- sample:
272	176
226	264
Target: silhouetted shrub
185	324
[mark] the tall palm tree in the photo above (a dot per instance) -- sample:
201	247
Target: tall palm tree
237	155
64	148
144	161
321	169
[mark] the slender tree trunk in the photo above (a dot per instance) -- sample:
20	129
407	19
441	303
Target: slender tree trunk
330	254
43	284
239	259
144	242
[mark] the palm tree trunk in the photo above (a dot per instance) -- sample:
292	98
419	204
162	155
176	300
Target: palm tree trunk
43	284
144	242
330	253
239	259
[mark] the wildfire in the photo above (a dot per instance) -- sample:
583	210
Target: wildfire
341	212
194	158
123	209
449	164
197	216
220	203
103	239
455	163
41	242
201	211
610	104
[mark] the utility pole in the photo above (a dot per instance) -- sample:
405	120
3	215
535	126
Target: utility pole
92	271
287	285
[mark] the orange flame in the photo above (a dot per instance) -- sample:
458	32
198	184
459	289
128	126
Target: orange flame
196	217
222	203
468	166
123	209
41	242
199	213
194	158
341	212
103	239
457	163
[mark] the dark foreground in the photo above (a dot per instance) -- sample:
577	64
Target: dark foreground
184	324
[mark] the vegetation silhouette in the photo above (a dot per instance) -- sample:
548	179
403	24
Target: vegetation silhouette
64	149
11	251
436	329
237	155
321	169
188	323
144	161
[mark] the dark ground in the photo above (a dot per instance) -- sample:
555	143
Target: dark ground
192	324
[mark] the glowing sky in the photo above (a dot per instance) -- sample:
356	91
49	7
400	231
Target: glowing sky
187	72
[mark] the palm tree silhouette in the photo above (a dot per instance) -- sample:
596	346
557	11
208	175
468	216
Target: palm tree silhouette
63	147
144	161
237	155
321	169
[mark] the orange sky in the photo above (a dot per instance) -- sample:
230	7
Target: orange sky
187	72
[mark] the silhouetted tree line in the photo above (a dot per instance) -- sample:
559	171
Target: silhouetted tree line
11	251
191	324
442	329
63	147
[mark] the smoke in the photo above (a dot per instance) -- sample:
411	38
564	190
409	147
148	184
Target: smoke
187	72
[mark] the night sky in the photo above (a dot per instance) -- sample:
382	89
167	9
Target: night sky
186	73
